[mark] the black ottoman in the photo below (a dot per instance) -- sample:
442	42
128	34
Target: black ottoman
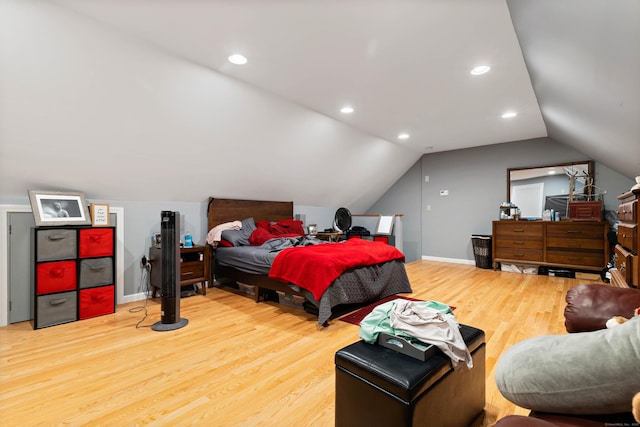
378	386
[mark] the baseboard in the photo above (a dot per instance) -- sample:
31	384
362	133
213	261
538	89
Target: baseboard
451	260
133	297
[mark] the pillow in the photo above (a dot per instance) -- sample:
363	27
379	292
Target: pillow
240	237
582	373
290	227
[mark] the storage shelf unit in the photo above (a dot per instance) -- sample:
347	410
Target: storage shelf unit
73	271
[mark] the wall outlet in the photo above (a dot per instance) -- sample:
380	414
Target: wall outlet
444	192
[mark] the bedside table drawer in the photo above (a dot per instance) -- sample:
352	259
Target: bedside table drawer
191	270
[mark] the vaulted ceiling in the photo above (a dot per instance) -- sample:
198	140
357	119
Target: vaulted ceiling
568	69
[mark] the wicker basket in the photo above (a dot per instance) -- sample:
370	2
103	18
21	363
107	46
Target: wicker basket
482	250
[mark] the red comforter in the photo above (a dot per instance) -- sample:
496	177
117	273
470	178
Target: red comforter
315	267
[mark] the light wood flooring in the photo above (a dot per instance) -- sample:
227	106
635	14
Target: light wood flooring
238	363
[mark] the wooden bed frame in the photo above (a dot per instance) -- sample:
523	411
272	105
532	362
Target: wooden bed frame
220	211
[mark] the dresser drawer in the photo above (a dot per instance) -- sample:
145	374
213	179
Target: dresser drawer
628	212
573	230
524	243
55	277
521	254
55	309
628	235
627	265
96	302
96	242
563	242
56	244
518	229
577	258
96	272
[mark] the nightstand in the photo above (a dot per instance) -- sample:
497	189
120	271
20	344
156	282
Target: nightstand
194	267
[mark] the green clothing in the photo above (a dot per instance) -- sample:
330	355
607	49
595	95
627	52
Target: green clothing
378	320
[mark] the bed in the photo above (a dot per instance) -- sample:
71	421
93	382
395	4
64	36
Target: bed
362	284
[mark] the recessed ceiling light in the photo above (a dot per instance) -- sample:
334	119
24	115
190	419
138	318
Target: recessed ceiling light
346	110
480	69
403	136
509	114
237	59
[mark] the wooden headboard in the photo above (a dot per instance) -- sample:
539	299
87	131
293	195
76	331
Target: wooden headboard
220	211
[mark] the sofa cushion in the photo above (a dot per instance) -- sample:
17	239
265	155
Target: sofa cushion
589	306
581	373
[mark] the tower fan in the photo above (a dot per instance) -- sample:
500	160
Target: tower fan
170	265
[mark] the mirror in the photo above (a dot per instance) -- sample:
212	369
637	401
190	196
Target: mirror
535	189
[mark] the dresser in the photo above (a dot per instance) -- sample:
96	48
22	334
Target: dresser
626	273
73	270
575	245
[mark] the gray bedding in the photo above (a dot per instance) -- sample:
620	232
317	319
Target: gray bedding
358	285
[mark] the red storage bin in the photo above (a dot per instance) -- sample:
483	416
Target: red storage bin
55	277
96	301
96	242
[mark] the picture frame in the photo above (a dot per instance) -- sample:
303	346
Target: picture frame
100	215
313	229
385	224
57	208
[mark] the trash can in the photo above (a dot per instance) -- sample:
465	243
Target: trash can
482	250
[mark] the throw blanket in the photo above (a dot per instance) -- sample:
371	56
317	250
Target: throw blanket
314	268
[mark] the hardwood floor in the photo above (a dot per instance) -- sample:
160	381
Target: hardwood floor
238	363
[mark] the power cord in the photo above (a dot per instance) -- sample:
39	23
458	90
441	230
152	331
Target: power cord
145	285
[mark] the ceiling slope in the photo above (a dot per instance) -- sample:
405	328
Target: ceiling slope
584	60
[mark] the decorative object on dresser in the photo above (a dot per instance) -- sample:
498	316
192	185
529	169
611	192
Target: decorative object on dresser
73	273
627	271
576	245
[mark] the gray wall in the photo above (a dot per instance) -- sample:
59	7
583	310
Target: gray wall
476	180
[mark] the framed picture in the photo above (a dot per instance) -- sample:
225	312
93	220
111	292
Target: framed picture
385	224
52	208
313	229
99	214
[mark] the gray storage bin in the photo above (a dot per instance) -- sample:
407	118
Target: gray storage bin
54	309
56	244
96	272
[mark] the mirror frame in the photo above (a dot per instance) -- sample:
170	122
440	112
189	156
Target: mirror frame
590	163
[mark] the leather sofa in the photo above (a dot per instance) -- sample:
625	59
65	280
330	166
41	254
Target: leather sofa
588	308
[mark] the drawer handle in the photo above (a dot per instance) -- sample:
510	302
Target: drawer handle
57	301
187	273
95	238
518	230
94	268
57	273
97	298
574	231
55	237
574	259
518	242
574	245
